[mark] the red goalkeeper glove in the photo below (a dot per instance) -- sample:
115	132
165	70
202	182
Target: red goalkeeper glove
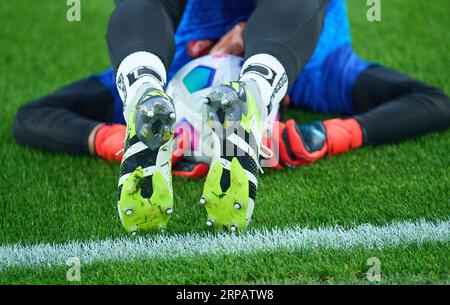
109	141
305	144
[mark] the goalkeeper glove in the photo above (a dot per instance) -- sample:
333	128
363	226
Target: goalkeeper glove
109	142
305	144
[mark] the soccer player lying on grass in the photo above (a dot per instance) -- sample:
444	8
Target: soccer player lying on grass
298	48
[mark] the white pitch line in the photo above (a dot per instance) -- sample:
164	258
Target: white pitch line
193	245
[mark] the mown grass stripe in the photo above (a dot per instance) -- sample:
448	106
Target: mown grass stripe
190	245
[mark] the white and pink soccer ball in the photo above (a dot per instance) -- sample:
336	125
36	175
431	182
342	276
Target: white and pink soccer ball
192	82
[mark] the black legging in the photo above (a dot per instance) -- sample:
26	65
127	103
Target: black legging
63	120
286	29
392	106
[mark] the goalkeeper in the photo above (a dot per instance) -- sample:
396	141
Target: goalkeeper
383	106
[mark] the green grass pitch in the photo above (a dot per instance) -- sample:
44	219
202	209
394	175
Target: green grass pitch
49	198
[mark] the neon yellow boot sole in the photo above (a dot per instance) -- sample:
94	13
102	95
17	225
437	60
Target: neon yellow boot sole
226	210
140	214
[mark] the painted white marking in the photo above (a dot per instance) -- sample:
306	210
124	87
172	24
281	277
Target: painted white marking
192	245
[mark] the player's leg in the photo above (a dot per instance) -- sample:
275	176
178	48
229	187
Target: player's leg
280	38
141	45
392	106
75	119
84	118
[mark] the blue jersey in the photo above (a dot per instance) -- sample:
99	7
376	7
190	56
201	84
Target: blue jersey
207	20
324	85
326	82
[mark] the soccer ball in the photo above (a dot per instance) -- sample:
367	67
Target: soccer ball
192	82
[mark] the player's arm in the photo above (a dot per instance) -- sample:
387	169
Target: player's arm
232	42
